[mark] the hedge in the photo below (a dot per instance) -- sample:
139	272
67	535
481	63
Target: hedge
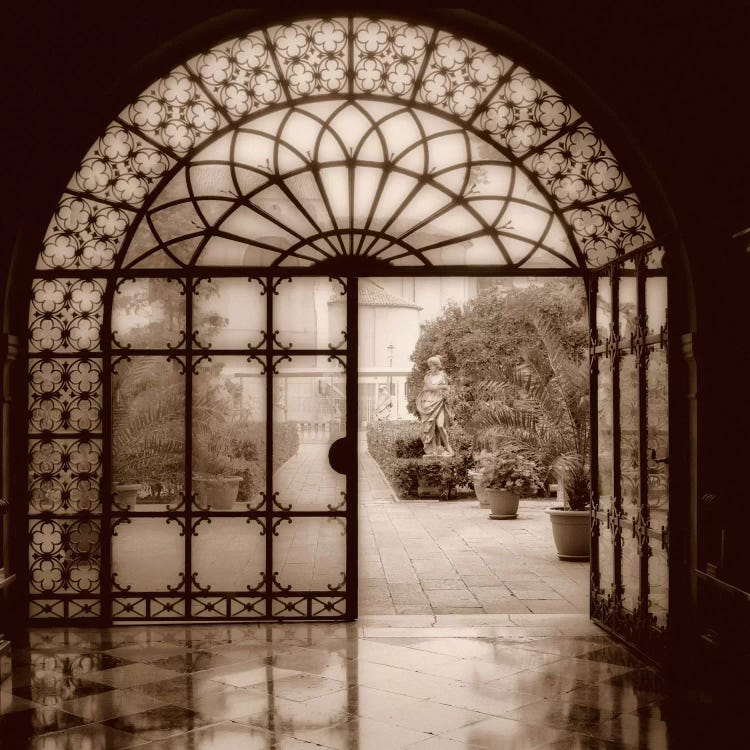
397	447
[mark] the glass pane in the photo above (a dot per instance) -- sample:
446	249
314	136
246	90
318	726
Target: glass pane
628	306
629	459
658	583
161	567
603	307
656	303
309	553
309	313
148	432
229	433
604	432
657	414
309	415
229	313
229	554
606	560
631	570
148	314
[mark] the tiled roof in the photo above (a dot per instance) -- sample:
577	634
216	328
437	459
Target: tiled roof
371	293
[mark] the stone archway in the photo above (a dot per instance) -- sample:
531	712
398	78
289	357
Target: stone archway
150	201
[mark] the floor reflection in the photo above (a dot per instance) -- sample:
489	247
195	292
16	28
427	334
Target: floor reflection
337	686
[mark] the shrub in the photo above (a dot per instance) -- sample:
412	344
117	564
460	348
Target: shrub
382	437
512	472
446	473
285	445
285	442
397	447
577	487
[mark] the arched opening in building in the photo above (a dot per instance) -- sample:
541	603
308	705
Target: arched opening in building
319	149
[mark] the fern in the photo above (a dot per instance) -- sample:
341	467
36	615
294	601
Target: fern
539	408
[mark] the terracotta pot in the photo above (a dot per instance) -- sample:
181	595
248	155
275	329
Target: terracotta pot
571	530
218	492
126	494
503	504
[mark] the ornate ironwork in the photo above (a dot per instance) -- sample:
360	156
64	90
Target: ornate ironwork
641	482
257	154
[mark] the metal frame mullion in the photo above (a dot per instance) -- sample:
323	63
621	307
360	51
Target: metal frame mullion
352	424
644	549
281	272
105	490
616	437
188	406
270	292
594	357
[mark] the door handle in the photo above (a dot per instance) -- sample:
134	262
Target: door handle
338	455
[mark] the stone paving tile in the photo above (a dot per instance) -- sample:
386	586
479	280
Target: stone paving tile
452	598
413	609
432	557
491	594
547	606
509	606
442	583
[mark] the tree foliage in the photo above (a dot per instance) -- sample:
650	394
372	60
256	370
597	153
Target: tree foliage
496	332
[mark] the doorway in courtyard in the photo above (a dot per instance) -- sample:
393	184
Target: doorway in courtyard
212	286
514	353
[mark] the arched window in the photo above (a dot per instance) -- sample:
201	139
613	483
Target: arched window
303	149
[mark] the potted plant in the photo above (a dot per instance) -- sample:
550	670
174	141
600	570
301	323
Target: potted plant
148	433
570	521
506	478
219	472
126	494
476	474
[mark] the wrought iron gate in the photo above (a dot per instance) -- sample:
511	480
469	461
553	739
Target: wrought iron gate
629	449
219	508
350	146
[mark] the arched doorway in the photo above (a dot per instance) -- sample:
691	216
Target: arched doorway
341	147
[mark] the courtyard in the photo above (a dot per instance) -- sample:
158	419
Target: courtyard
431	557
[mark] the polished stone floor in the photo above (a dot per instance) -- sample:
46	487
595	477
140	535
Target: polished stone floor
417	682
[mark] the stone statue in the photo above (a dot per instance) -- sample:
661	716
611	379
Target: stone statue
384	404
433	411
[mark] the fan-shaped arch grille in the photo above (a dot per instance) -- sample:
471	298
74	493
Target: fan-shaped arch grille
304	107
317	181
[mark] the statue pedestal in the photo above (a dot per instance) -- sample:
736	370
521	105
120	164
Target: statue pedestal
427	487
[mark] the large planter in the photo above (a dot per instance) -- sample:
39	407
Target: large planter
503	504
571	530
218	492
126	494
479	491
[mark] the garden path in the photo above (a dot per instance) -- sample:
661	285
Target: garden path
421	557
427	556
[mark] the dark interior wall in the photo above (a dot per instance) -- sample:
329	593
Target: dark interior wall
674	73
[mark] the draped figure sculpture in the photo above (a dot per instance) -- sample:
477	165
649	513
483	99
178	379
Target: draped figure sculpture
433	411
384	404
